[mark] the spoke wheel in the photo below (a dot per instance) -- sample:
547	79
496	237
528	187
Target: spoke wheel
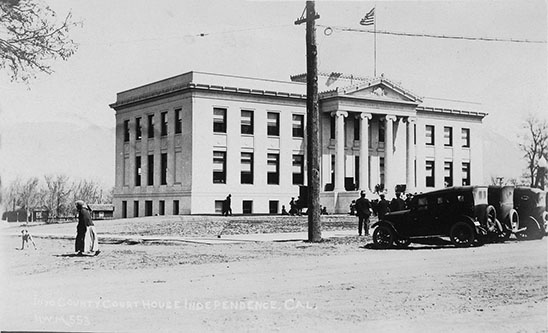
532	231
383	237
402	242
462	234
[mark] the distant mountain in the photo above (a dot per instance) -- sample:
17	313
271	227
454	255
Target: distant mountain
502	156
79	150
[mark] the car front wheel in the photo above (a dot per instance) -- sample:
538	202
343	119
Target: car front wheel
383	237
462	234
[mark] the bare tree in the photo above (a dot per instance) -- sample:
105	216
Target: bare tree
88	191
56	194
23	195
534	145
30	37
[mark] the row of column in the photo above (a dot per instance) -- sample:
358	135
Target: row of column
364	150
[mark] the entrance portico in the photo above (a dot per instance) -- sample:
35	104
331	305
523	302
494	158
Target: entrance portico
385	114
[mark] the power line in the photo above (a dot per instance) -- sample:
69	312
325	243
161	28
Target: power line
328	30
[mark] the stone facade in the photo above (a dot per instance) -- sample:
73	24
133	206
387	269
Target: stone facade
184	143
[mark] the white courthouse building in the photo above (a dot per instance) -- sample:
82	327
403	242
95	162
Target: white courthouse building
184	143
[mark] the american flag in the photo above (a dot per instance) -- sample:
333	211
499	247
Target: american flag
369	18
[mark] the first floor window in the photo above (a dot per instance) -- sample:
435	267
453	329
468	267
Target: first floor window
272	166
175	207
162	208
124	209
246	174
430	174
273	207
137	170
465	173
163	162
126	130
448	177
148	207
247	206
178	121
135	208
298	169
219	167
150	173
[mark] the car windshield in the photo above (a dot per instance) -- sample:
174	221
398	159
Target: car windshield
541	199
480	196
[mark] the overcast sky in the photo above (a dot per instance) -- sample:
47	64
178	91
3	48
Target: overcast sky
124	44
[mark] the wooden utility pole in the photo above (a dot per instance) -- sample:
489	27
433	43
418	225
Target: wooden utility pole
312	123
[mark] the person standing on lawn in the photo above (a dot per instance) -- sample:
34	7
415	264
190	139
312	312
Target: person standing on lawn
227	205
86	237
383	207
363	210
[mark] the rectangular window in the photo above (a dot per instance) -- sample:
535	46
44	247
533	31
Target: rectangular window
448	136
448	174
298	169
298	126
219	167
163	168
247	207
163	119
465	173
137	170
466	137
178	121
148	208
247	122
273	168
138	129
175	207
162	208
357	129
126	130
219	204
135	208
150	126
430	181
150	173
124	209
219	120
273	207
127	171
273	123
246	174
429	132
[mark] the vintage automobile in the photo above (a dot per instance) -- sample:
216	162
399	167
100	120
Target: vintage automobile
502	199
462	213
530	204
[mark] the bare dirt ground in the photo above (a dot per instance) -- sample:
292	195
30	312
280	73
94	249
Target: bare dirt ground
337	285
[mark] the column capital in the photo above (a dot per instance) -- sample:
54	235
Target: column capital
364	115
390	117
339	114
411	120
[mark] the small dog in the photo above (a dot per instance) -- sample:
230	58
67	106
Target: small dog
26	238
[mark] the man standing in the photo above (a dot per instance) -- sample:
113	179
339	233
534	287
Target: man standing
227	209
363	210
83	217
383	207
397	203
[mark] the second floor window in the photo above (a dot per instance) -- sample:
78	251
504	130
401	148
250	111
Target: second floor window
448	177
247	122
429	132
138	129
465	173
178	121
163	119
219	120
466	137
448	136
298	126
137	170
126	130
150	173
150	125
163	169
273	124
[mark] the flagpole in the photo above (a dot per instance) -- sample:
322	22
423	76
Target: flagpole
375	43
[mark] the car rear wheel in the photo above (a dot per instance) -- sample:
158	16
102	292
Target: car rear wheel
402	242
383	237
532	232
462	234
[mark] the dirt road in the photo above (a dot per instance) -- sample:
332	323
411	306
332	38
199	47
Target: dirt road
294	286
